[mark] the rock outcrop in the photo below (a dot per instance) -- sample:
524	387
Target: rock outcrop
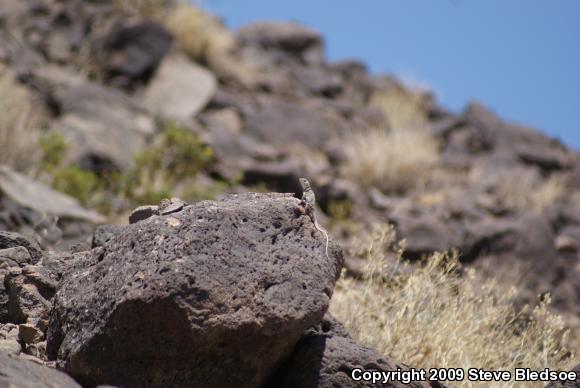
214	295
232	293
326	356
19	373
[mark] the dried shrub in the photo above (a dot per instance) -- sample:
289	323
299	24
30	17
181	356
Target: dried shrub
521	188
199	34
20	123
392	161
432	316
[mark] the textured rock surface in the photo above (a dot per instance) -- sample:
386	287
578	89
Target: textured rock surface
224	286
18	373
34	195
30	290
131	51
180	88
106	126
280	122
325	356
15	240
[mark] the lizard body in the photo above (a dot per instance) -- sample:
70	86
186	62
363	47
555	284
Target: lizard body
309	201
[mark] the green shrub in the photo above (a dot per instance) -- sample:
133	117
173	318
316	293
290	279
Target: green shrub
76	182
53	147
20	124
175	158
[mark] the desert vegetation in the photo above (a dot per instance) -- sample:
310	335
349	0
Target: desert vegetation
20	124
437	315
462	189
522	189
391	160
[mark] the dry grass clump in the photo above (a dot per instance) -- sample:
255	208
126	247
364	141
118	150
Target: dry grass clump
403	108
431	316
199	34
156	9
392	161
20	124
523	189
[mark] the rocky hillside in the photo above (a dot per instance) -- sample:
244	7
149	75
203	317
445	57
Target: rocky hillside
106	107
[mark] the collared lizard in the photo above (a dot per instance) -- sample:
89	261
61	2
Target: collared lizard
309	201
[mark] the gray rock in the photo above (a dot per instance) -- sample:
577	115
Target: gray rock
30	290
14	257
547	157
29	333
9	339
42	199
172	206
427	234
325	357
106	127
4	317
280	122
568	240
131	51
505	143
288	37
105	233
19	373
180	89
226	286
142	213
14	240
318	80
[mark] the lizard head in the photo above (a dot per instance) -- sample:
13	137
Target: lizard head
304	183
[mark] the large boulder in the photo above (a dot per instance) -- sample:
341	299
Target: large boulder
41	199
106	127
226	286
11	256
16	372
326	357
131	51
287	38
180	89
280	122
507	143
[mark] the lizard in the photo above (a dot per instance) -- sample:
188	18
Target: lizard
309	201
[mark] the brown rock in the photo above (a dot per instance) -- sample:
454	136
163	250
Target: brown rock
20	373
326	356
228	286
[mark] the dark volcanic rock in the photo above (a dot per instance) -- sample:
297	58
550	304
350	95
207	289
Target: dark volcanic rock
106	126
132	51
180	88
226	286
18	373
11	240
105	233
30	290
325	357
509	143
287	37
24	192
280	122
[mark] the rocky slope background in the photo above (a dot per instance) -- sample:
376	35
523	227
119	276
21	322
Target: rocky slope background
108	105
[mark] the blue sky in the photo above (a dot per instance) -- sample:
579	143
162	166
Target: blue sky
519	57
